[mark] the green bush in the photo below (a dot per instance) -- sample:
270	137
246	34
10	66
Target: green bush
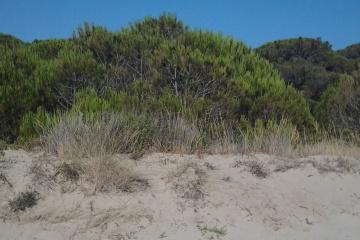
20	92
34	124
339	105
160	66
310	65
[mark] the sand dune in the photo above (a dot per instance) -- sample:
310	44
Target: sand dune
190	197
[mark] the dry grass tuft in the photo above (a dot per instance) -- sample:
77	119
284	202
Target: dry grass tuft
85	149
333	147
100	173
73	137
273	138
105	174
225	144
177	135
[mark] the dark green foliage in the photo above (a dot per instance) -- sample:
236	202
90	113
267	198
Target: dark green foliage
328	79
311	50
167	26
309	65
159	66
33	124
97	40
9	41
49	49
200	69
24	200
340	104
73	70
351	52
18	89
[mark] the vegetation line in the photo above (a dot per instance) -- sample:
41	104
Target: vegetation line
159	85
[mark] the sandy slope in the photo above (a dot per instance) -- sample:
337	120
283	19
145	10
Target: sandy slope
312	198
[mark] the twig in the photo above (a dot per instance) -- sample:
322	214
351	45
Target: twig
5	180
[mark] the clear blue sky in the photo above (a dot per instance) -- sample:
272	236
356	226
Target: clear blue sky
254	22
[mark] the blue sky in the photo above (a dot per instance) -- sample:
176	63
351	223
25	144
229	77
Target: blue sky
254	22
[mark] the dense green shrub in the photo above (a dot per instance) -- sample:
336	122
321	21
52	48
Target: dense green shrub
159	66
19	89
34	124
328	79
340	104
9	41
309	65
351	52
49	49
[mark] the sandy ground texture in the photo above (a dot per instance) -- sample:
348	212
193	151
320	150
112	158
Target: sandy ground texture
189	197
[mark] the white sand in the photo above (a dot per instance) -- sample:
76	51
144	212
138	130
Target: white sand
299	203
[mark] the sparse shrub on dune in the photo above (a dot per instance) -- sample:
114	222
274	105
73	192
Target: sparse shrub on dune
69	171
86	130
85	141
105	174
24	200
175	134
74	136
273	138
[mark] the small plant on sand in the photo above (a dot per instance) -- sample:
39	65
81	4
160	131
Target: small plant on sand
69	171
107	174
212	232
255	167
24	200
210	166
345	165
136	155
258	169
